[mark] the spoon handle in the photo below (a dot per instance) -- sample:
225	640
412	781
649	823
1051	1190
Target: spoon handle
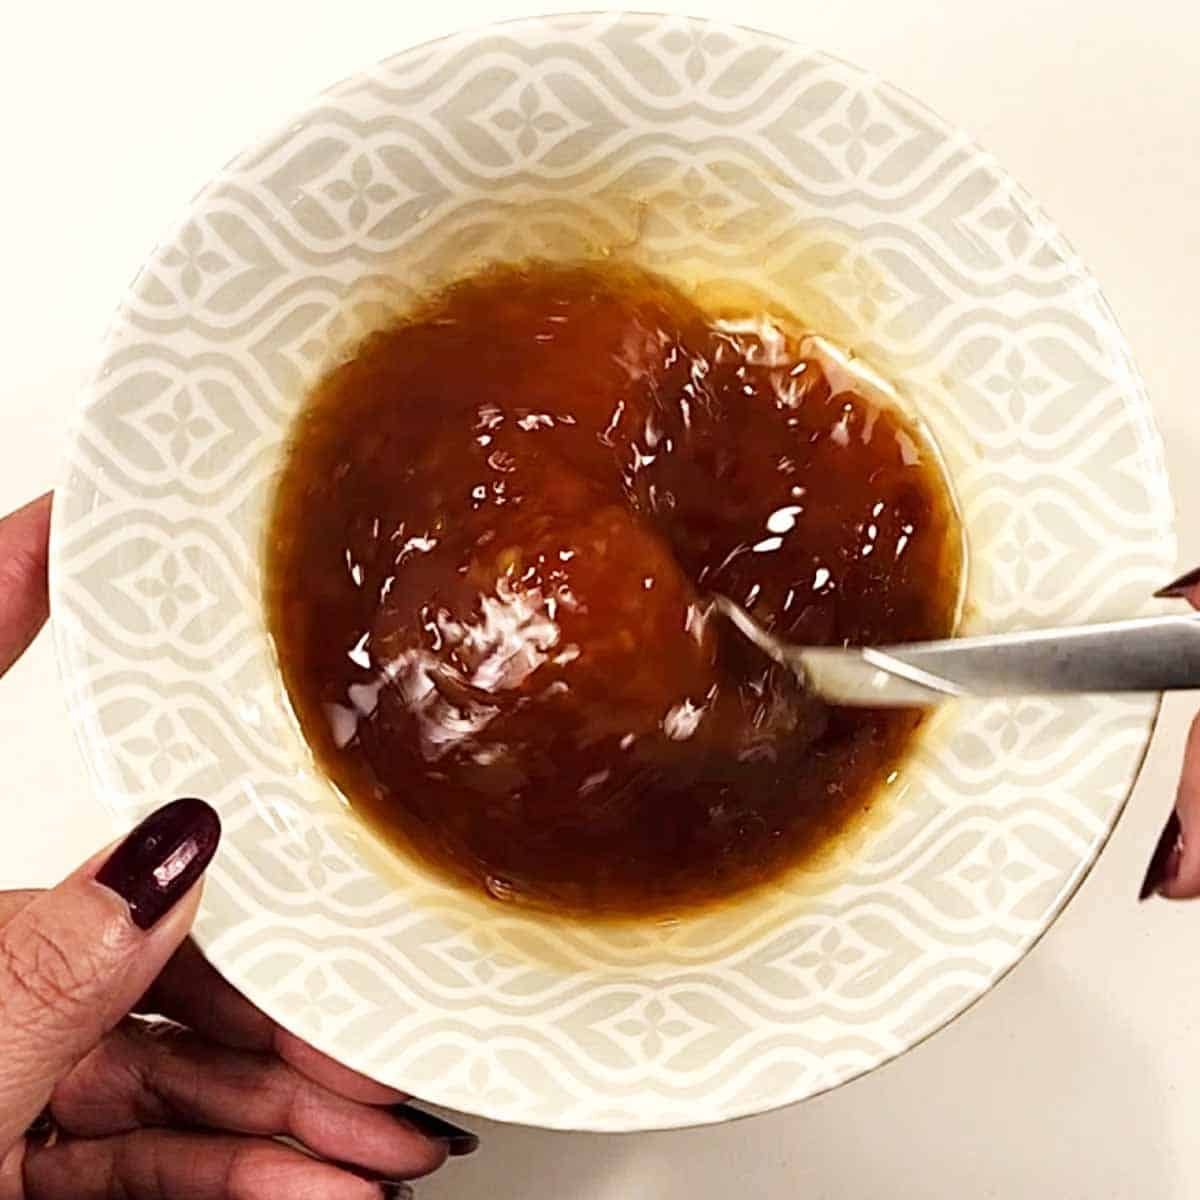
1152	654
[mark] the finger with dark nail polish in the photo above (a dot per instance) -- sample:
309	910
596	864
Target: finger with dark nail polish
459	1141
159	861
1180	588
1164	862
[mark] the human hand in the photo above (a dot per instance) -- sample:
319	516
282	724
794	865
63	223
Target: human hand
1174	869
188	1106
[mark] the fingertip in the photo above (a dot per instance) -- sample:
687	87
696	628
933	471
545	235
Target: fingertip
26	530
1181	879
429	1155
1186	587
24	590
458	1141
157	864
1174	870
419	1156
397	1191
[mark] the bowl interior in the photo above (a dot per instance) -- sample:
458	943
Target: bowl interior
732	162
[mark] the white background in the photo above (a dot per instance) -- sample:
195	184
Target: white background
1080	1075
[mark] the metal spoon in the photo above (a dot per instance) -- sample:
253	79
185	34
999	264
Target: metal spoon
1151	654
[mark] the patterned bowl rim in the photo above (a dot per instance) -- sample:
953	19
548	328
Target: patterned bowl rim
79	705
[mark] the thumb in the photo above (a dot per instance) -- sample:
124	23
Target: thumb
76	959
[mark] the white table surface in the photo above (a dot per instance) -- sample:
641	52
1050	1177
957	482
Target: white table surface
1080	1075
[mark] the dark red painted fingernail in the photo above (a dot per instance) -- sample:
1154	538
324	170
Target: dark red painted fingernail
43	1130
391	1189
1164	862
458	1141
1181	586
157	863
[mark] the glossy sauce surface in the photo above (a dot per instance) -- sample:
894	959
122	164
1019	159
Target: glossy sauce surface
488	562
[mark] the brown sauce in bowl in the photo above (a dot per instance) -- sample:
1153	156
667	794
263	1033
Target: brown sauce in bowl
488	560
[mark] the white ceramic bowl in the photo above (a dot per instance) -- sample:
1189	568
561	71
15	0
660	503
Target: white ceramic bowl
709	153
